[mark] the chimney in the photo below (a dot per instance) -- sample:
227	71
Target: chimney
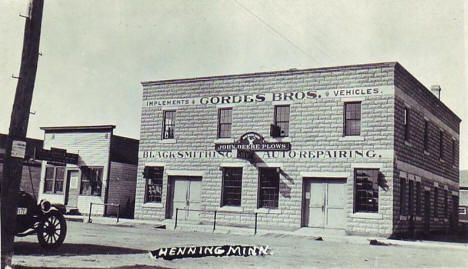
435	89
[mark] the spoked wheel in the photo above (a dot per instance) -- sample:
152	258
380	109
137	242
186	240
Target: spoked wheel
52	230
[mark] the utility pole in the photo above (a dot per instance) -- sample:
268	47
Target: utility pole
13	164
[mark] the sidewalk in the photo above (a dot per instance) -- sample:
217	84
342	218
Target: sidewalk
315	234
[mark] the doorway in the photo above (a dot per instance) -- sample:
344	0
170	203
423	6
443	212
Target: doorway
184	194
72	188
324	203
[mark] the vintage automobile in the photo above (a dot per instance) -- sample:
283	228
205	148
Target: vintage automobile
44	219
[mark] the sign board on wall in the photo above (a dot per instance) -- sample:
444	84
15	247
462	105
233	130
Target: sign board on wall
18	149
252	141
297	96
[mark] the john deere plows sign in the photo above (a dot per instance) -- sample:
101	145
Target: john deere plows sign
252	142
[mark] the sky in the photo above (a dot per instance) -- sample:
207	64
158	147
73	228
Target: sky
96	53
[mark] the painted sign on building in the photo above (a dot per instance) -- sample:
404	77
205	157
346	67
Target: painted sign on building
297	96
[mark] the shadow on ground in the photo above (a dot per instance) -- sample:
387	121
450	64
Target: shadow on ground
34	249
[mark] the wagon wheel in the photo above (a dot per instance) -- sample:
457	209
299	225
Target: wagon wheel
52	230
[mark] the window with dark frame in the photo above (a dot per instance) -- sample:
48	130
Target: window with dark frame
366	190
441	144
232	186
268	188
154	183
418	199
352	115
406	123
91	181
54	177
168	124
446	204
454	152
410	198
224	122
403	206
436	202
426	135
281	121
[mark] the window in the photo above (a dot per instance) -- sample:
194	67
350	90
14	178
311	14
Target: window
224	122
91	180
426	135
366	190
232	187
154	181
436	202
406	123
403	211
352	123
441	145
418	199
269	188
410	197
281	126
454	151
446	203
168	124
54	176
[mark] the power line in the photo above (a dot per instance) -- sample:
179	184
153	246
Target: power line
275	31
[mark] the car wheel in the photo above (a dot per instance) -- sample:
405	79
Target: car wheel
52	230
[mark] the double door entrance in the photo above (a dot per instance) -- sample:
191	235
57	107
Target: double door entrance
185	195
324	203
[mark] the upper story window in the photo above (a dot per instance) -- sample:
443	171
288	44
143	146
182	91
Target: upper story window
280	128
224	122
91	180
426	135
352	119
232	186
154	182
54	176
441	144
366	190
406	123
168	124
269	188
454	152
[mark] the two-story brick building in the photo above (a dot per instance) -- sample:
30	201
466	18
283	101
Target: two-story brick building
366	149
104	173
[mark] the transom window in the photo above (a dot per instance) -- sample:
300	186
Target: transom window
281	121
91	180
154	183
352	115
232	186
224	122
366	190
269	188
168	124
54	176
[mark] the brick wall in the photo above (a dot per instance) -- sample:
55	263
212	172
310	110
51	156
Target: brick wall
314	125
412	158
122	185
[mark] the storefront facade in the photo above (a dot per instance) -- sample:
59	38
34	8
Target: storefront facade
104	171
318	148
